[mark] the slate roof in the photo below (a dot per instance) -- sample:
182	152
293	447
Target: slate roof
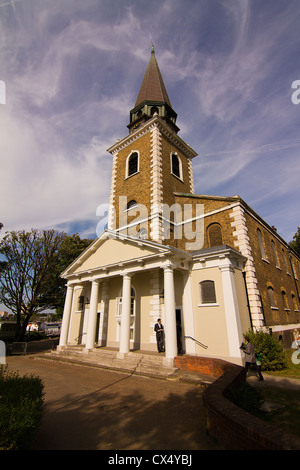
153	87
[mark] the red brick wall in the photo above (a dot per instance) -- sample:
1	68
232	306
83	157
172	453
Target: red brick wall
232	427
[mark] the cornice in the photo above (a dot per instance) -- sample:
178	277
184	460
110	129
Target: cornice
156	121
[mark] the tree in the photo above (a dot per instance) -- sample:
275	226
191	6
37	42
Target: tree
295	243
72	246
273	357
29	274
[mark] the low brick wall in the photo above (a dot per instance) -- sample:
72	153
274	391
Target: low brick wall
232	427
203	365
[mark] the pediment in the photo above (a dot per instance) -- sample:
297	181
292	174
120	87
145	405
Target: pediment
109	251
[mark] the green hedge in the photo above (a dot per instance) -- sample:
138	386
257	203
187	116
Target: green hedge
21	407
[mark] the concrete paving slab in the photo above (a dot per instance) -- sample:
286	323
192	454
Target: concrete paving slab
94	409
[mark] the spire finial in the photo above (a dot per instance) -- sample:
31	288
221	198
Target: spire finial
152	49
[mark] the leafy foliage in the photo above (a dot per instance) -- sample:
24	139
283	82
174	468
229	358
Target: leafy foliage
295	243
21	407
30	273
273	355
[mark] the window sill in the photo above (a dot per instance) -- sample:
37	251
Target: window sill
130	176
177	177
265	260
208	305
274	308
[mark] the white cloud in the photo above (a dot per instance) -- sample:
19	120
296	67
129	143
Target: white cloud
73	71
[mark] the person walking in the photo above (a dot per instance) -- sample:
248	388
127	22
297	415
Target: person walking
160	335
251	357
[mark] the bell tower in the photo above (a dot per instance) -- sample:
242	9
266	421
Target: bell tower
152	99
150	164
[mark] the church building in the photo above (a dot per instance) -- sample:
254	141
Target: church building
208	266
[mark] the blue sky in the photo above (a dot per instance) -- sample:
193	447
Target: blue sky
73	69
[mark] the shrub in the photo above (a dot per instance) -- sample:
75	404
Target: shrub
21	405
273	355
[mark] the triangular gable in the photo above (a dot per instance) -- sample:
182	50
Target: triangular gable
110	250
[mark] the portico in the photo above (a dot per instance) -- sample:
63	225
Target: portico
125	320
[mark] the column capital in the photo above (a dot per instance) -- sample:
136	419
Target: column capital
127	275
168	268
227	268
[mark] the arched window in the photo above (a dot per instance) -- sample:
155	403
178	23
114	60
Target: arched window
275	253
176	165
131	204
214	232
284	300
271	297
261	244
295	302
207	292
132	164
285	262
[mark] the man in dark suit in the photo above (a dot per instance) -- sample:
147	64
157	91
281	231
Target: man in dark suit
160	335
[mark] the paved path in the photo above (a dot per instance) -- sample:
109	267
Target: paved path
274	381
89	409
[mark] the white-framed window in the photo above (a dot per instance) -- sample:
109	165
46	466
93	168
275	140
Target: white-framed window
132	164
118	314
207	293
131	205
176	165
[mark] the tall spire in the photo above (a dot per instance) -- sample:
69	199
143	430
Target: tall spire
153	87
152	98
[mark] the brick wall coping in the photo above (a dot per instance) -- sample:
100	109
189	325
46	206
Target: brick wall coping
232	427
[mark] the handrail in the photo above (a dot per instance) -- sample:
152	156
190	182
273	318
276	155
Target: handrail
198	342
79	337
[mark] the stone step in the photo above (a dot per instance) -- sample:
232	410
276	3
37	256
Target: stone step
134	362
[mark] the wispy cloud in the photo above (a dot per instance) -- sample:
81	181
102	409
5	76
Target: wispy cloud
73	69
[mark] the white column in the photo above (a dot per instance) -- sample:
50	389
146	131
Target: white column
125	317
92	320
234	329
170	315
66	317
188	315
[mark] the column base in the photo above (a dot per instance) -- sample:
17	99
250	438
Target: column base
168	362
121	355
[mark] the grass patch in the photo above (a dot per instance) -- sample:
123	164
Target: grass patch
21	405
292	370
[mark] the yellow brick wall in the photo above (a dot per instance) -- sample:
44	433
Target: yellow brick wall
278	277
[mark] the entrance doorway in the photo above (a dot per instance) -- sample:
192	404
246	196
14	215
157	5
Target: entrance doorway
179	331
